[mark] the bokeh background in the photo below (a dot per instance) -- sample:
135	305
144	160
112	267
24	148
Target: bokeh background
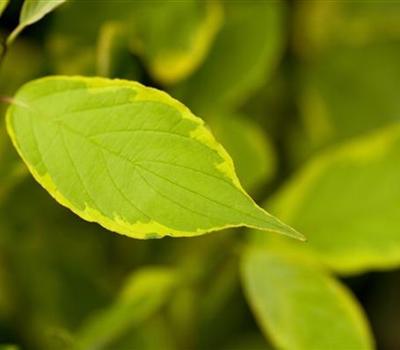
304	95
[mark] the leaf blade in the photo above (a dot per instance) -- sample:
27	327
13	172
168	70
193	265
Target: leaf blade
174	38
346	200
225	82
31	12
145	291
34	10
287	296
120	182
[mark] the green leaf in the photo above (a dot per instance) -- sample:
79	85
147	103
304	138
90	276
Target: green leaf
174	37
244	53
34	10
143	294
3	5
347	202
300	307
131	158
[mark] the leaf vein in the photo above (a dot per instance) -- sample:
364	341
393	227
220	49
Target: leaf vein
74	166
199	194
83	110
140	131
229	183
118	189
63	91
171	200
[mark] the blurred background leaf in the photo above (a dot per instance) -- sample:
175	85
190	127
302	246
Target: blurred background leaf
312	311
173	38
33	11
237	65
346	202
144	292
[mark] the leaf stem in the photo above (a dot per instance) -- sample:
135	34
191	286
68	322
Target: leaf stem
13	101
5	99
11	38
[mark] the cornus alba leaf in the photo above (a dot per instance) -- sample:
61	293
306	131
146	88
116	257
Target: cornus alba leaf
130	158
